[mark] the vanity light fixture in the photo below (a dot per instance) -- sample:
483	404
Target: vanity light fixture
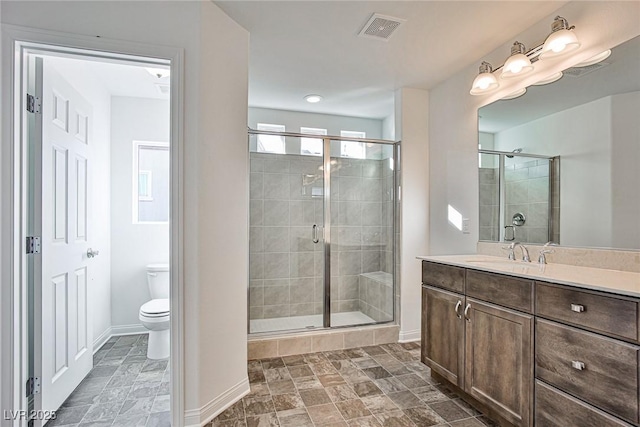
552	78
517	64
485	81
515	94
594	59
561	41
313	99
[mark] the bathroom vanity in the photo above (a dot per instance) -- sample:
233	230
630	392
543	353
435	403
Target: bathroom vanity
532	344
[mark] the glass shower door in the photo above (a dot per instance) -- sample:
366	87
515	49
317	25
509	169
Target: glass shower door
362	233
286	216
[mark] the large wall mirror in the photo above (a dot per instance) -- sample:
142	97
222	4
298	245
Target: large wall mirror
562	162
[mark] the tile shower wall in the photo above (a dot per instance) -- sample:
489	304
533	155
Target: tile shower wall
527	192
489	204
286	267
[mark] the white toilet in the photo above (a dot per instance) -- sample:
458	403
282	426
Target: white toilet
154	314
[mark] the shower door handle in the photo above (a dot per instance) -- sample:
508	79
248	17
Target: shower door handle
314	234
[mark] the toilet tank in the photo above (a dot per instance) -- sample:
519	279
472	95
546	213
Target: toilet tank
158	280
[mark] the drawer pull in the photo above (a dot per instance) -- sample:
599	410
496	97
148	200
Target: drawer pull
458	315
577	365
578	308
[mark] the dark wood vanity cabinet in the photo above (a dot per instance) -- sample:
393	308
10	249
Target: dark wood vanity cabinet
499	360
533	353
484	349
443	333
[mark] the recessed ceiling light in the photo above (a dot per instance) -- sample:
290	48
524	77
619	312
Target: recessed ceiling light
313	98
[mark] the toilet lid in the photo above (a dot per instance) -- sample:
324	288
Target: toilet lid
155	307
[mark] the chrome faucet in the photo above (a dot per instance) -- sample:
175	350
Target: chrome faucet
512	253
542	259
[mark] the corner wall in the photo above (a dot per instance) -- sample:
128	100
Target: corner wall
453	132
214	169
411	126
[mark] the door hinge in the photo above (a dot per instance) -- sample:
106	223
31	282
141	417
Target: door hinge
33	386
33	245
34	104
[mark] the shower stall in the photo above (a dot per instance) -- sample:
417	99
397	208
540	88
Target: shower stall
322	231
519	197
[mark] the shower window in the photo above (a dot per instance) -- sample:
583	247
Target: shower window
311	146
353	149
150	182
271	143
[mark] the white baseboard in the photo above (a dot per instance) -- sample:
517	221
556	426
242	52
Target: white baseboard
101	340
200	417
410	336
135	329
117	331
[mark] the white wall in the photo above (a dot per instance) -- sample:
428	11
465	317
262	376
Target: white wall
453	133
97	95
133	245
214	168
412	111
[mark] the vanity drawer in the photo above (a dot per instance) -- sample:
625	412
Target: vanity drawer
503	290
600	370
557	409
443	276
608	315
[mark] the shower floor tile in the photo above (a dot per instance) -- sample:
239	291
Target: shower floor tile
306	322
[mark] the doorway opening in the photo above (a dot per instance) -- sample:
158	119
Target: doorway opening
97	147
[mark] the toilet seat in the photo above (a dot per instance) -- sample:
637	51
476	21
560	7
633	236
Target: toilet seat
155	308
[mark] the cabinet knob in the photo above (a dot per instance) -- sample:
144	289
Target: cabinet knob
458	304
578	308
577	365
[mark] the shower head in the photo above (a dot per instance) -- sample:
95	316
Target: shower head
517	150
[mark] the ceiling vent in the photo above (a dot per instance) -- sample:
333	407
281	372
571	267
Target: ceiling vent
583	71
381	27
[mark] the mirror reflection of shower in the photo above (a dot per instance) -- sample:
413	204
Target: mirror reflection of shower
514	186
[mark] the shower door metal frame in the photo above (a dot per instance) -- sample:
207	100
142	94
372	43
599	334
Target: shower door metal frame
326	226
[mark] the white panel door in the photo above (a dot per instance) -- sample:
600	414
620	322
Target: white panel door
67	342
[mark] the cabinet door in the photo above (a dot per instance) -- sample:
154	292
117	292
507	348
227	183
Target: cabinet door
499	360
443	333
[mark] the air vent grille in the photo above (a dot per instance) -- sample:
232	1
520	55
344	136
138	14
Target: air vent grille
381	27
583	71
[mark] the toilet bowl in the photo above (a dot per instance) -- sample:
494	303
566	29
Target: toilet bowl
155	315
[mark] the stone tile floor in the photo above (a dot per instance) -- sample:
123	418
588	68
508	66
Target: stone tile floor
376	386
124	388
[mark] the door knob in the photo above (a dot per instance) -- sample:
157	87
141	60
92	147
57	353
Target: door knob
92	254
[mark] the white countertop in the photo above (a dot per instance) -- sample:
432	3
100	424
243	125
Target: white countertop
615	281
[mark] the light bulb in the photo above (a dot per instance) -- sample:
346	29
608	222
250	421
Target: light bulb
485	81
561	41
517	64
